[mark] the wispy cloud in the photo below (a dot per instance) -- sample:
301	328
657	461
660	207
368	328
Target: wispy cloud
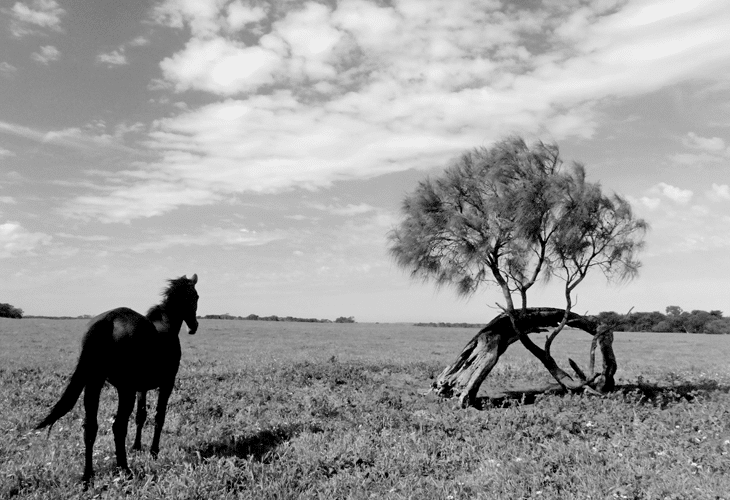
92	137
348	210
26	18
47	54
16	240
719	192
212	237
113	58
7	70
678	195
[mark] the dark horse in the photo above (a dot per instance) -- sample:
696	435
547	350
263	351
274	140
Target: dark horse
134	353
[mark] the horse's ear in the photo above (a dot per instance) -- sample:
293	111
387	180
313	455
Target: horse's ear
194	279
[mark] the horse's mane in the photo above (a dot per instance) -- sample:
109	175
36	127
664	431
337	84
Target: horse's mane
175	286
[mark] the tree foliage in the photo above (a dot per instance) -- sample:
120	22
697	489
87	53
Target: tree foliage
676	320
8	311
512	215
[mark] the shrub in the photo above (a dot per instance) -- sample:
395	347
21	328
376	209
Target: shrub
718	326
8	311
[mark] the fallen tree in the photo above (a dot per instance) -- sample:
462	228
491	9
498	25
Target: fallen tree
465	375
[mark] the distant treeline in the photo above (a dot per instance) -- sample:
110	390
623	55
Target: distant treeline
256	317
452	325
675	320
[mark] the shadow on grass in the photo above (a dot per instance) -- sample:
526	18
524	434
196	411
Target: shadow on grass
257	446
647	392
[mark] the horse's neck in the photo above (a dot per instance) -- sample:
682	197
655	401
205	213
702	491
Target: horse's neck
164	320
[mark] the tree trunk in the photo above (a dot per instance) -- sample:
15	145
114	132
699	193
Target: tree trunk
464	377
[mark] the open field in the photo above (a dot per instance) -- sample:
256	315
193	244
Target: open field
303	410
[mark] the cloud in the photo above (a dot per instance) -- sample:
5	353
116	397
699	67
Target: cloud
132	201
719	192
15	240
222	66
212	237
356	89
678	195
39	13
713	144
4	153
7	69
140	41
239	15
113	58
650	202
92	137
710	151
47	54
347	210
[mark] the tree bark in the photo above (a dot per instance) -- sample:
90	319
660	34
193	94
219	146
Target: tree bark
465	375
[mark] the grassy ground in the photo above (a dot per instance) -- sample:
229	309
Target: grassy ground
290	410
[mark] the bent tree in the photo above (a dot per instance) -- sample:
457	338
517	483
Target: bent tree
510	216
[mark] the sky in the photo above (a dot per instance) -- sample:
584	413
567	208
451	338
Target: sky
268	145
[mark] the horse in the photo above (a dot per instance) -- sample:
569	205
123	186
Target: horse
135	354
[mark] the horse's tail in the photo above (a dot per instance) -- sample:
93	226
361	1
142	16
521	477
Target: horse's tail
75	386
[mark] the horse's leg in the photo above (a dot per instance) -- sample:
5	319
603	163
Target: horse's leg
92	393
140	419
165	391
121	422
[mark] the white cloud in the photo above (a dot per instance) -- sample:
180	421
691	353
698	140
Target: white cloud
347	210
47	54
140	41
221	66
719	192
14	240
356	90
40	13
5	153
650	202
312	40
7	69
678	195
712	144
212	237
141	199
92	137
113	58
240	15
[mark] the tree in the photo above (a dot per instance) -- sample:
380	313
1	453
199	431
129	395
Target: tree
510	216
8	311
343	319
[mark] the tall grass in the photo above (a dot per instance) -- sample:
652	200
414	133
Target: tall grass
266	410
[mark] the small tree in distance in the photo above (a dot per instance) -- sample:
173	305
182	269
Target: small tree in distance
8	311
510	216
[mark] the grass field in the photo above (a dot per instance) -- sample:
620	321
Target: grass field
301	410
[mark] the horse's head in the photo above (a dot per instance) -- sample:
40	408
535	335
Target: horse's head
191	317
182	298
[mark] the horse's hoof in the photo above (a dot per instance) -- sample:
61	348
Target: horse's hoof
87	481
154	453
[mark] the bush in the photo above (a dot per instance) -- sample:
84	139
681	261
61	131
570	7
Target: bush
718	327
8	311
342	319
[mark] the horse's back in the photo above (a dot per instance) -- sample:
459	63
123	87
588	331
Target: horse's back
121	323
135	354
